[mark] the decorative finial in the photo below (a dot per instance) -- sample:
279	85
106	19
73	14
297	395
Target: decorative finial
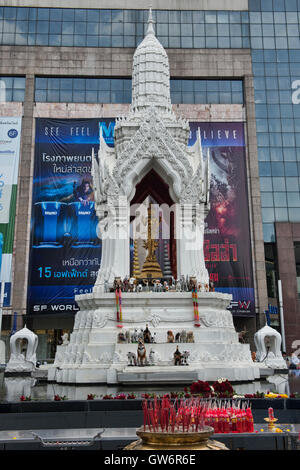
150	29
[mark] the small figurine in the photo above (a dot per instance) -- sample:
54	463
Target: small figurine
192	283
152	357
147	288
127	336
131	284
206	288
177	357
170	337
131	359
134	336
177	337
153	338
147	335
183	336
211	287
157	286
125	284
141	334
178	286
139	287
182	284
121	338
190	337
184	358
141	353
118	284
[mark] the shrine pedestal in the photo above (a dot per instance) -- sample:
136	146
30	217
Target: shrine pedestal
96	355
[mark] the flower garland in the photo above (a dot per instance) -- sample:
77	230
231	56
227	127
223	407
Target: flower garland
119	307
196	307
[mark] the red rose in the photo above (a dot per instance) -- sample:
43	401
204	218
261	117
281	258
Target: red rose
200	387
131	396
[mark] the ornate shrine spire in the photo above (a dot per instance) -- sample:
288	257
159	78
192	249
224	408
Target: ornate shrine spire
150	29
150	73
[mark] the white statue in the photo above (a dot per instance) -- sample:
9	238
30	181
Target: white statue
268	343
23	345
154	357
65	339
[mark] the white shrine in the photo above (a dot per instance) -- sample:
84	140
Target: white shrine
151	138
23	346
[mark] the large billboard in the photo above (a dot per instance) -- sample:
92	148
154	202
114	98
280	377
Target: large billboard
227	243
10	135
65	249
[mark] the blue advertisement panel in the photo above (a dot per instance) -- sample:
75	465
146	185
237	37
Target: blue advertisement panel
65	249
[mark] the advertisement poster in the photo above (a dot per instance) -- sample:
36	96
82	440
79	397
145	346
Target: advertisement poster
65	249
227	244
10	135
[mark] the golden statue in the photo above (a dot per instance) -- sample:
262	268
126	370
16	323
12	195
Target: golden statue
151	268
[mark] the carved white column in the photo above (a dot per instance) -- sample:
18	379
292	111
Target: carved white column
190	254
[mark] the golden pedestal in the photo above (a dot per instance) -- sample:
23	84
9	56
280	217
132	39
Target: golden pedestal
176	441
271	423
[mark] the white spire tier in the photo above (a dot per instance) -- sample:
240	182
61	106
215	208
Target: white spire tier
150	73
150	94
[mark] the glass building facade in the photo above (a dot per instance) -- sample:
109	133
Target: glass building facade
118	90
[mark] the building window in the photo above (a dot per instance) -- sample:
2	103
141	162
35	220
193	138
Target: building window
12	89
118	90
123	28
82	90
271	269
297	259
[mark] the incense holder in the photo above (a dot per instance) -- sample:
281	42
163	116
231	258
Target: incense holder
176	440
